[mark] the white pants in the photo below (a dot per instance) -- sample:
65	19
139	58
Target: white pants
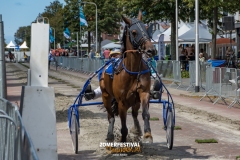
98	93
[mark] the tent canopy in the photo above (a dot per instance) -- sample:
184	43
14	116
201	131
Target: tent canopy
111	45
204	35
104	42
10	45
156	35
24	45
183	29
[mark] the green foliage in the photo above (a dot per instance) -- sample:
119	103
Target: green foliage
159	10
23	34
169	76
237	157
54	13
108	16
185	74
206	140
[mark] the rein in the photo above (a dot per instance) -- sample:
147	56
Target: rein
135	73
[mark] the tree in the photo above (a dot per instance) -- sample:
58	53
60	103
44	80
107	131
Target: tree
108	16
159	10
212	10
54	14
23	34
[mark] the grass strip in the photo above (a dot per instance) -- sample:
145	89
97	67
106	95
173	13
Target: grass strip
154	119
206	140
177	128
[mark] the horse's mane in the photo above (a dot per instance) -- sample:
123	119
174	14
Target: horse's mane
123	41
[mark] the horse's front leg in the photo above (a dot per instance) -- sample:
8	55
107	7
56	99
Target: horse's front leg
111	120
144	97
136	128
123	116
107	99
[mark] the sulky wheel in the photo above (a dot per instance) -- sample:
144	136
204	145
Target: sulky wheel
170	129
74	132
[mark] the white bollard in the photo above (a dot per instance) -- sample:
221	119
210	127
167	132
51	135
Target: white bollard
37	99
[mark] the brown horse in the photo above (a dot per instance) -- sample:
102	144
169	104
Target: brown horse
131	83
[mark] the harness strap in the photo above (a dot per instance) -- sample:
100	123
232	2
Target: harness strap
134	73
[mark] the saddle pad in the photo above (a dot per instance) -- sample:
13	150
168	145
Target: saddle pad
109	69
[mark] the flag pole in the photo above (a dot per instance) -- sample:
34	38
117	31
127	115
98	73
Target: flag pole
80	38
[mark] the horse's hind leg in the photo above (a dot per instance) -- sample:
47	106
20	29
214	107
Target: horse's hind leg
136	129
123	115
147	138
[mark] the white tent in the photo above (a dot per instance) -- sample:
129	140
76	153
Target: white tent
24	45
204	35
155	36
10	45
183	29
111	45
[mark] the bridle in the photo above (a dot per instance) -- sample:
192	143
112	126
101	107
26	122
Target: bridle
142	35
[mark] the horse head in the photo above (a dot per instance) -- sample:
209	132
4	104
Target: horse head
139	35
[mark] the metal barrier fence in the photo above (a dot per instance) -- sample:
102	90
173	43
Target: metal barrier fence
215	81
223	83
192	74
170	70
15	143
79	64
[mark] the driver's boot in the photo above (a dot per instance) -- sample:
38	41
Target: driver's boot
89	93
155	92
92	94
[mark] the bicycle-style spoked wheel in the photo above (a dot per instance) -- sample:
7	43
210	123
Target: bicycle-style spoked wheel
170	129
74	132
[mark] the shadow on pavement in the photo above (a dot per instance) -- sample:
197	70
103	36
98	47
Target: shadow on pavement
160	151
62	115
18	70
84	155
15	84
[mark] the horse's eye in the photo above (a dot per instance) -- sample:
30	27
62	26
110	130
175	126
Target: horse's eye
134	33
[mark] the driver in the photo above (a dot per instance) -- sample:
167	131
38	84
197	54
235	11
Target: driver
94	94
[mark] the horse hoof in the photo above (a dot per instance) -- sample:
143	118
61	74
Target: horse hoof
147	138
110	138
136	132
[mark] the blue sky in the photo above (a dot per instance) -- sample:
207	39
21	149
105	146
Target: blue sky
17	13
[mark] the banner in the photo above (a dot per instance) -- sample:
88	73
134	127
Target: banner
51	38
161	47
83	21
66	33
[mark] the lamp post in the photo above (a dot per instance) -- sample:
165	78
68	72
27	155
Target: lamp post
176	10
77	46
77	43
197	45
96	20
54	37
